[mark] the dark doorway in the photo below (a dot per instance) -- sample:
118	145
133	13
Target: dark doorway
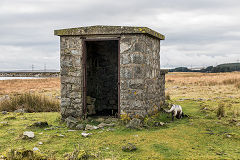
101	76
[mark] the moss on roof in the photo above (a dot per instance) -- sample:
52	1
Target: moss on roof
108	30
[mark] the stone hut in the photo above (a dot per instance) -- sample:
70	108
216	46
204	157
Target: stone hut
110	70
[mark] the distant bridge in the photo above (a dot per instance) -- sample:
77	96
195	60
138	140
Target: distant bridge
29	74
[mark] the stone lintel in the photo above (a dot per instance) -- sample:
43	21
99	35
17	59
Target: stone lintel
108	30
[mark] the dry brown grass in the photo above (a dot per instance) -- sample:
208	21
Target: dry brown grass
203	85
30	103
202	79
210	88
19	86
237	85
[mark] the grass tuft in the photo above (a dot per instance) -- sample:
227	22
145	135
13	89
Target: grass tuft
30	103
168	96
237	85
19	154
221	110
80	154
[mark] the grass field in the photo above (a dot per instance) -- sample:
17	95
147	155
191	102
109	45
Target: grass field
202	136
47	86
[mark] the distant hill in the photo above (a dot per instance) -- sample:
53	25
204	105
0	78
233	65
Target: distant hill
226	67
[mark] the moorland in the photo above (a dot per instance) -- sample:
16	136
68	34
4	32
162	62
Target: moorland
212	130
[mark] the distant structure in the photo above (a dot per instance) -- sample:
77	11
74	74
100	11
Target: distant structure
29	74
110	70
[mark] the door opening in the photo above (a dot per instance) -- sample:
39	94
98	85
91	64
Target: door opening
101	76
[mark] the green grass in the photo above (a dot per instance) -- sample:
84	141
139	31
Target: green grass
198	137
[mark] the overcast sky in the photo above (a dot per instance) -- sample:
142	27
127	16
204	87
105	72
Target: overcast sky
198	32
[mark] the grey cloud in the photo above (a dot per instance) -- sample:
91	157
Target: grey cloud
206	30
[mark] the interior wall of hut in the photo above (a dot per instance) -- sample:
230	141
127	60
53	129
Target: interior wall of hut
102	77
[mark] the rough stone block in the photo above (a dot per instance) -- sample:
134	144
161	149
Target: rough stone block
124	47
140	47
65	102
76	87
75	94
126	72
125	59
136	84
137	58
75	52
138	72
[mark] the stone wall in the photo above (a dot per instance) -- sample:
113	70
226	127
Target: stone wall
141	85
71	56
162	85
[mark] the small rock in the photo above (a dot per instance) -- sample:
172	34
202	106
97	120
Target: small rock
28	134
39	124
40	143
35	149
238	124
4	112
84	134
58	97
129	147
159	124
110	125
175	87
219	153
51	128
100	120
3	123
102	125
134	124
21	110
229	136
71	130
80	127
91	127
110	129
2	157
71	122
61	135
110	120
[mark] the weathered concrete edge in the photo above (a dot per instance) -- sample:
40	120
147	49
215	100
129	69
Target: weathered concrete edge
108	30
